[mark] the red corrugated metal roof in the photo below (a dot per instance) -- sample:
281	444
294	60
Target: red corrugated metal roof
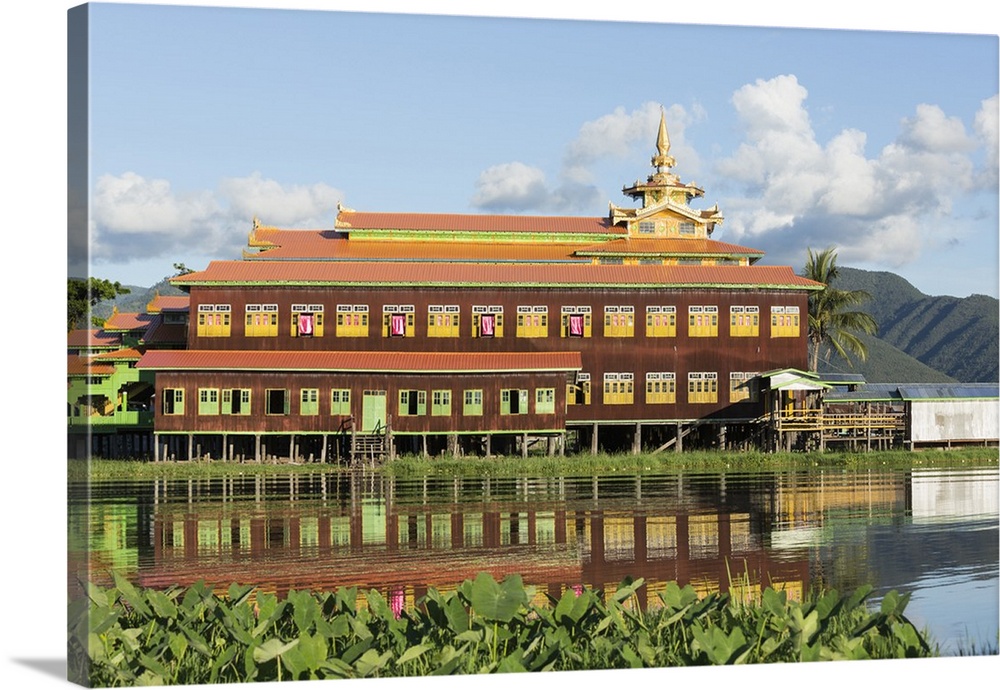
122	321
127	353
358	220
169	303
422	362
667	245
81	366
446	274
344	250
82	337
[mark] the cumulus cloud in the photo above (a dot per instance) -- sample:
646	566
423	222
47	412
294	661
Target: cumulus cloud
136	217
798	192
988	133
519	187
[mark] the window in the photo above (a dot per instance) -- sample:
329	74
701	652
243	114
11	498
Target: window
579	393
703	322
545	401
309	401
660	388
412	403
703	387
307	321
487	321
173	401
214	320
739	388
532	322
276	401
441	403
398	321
473	402
443	321
236	401
619	388
513	401
784	322
619	322
576	322
744	321
261	320
661	321
208	401
686	228
647	227
340	401
352	321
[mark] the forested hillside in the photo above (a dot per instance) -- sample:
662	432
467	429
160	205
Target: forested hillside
956	337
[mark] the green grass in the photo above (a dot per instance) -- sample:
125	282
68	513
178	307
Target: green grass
541	466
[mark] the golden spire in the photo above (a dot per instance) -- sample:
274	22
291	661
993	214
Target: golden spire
663	160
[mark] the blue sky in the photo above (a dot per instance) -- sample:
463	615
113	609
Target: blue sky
208	126
881	143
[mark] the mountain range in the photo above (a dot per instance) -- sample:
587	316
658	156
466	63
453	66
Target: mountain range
920	339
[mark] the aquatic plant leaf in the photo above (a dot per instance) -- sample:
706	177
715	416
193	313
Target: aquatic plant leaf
271	648
162	605
412	653
371	661
627	588
131	594
497	602
774	601
513	663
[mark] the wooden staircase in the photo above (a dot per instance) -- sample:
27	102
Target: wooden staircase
368	448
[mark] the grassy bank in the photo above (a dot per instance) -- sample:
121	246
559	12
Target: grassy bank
128	636
541	466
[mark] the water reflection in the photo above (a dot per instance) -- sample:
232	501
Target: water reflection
931	533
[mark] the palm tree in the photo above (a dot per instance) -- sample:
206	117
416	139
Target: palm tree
833	324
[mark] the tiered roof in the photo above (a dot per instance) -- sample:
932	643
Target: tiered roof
510	275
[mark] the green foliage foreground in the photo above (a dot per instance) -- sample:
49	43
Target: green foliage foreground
124	635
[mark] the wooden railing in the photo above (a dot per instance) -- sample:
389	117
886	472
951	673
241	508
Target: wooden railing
831	423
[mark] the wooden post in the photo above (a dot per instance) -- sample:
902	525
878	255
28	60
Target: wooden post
423	445
488	444
524	445
322	452
593	439
637	439
679	446
156	448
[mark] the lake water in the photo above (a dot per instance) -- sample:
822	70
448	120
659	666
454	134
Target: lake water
933	534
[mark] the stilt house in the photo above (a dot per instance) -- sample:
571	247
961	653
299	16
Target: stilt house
405	332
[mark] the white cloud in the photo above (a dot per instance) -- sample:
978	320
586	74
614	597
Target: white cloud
132	204
511	186
133	217
518	187
799	192
988	132
284	206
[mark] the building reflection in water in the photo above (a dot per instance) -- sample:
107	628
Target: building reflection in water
327	530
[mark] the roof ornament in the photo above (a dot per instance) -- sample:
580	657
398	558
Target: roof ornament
663	161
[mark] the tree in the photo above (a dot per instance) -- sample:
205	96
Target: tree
84	294
834	324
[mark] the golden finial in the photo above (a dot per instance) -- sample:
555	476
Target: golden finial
663	159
